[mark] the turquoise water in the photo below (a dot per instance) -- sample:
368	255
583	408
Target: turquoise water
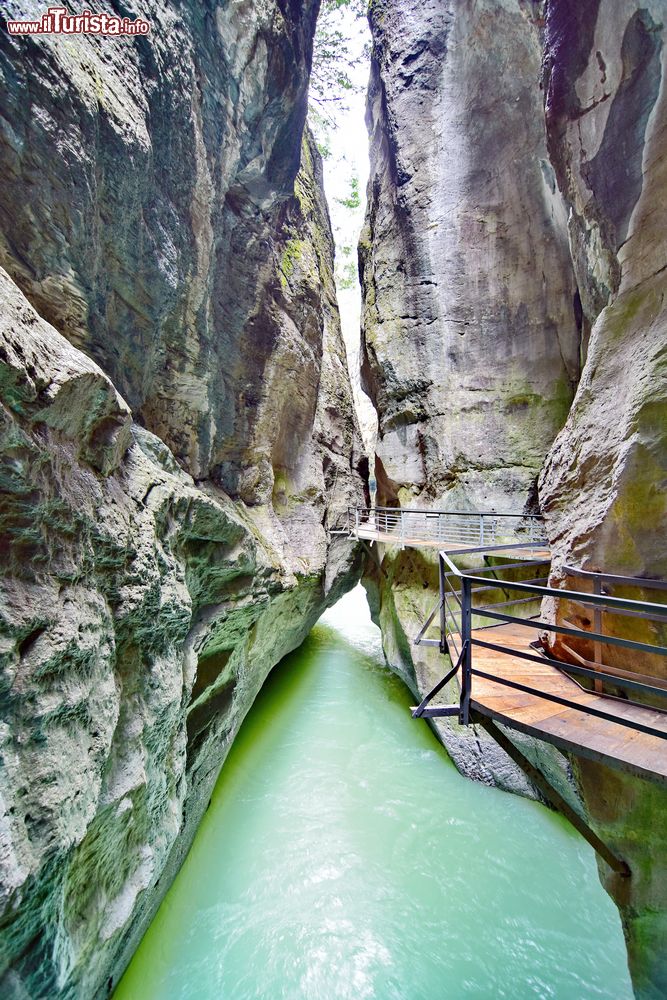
344	857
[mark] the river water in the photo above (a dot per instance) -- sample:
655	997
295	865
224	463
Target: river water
344	858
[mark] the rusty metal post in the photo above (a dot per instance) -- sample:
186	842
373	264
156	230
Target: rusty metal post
466	636
597	627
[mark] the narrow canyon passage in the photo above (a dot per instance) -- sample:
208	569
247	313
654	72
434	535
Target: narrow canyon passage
264	264
343	856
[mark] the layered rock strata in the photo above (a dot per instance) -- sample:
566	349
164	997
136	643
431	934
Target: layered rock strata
177	429
515	253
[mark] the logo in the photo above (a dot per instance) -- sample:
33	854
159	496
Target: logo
57	21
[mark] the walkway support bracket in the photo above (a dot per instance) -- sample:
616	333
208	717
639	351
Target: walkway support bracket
373	556
552	796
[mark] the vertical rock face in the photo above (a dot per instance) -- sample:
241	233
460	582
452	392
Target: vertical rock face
148	239
602	487
470	320
176	430
516	230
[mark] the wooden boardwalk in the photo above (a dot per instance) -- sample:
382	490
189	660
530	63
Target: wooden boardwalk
602	728
598	739
367	533
370	534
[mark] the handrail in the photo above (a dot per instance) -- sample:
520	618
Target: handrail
515	565
578	706
631	581
612	640
603	600
572	668
484	529
469	580
457	513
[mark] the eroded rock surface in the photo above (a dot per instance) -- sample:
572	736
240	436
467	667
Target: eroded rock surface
177	434
159	172
470	327
602	487
471	322
515	253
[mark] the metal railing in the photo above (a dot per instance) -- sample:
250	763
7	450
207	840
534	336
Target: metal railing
468	528
456	640
605	584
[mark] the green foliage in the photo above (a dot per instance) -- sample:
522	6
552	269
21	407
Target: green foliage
332	57
347	275
353	200
323	147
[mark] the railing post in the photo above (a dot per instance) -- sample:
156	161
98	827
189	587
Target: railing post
466	636
443	610
356	519
481	529
402	528
597	627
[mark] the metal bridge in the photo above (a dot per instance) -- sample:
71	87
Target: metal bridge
489	626
457	529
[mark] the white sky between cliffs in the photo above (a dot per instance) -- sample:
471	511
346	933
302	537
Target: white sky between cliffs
348	158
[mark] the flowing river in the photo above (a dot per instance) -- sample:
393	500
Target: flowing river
344	858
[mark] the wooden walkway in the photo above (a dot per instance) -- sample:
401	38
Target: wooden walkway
607	742
369	534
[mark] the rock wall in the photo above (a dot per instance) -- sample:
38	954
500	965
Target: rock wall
515	253
602	487
177	431
607	128
471	325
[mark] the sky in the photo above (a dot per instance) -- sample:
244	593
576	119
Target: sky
348	158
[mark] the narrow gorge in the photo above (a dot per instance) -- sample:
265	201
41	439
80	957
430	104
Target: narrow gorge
180	445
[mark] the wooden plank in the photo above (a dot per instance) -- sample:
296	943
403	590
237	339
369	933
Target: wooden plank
655	772
630	675
605	739
394	538
569	728
539	711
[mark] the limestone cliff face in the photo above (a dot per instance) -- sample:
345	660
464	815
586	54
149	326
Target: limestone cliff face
159	172
516	233
470	320
602	487
177	425
607	124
